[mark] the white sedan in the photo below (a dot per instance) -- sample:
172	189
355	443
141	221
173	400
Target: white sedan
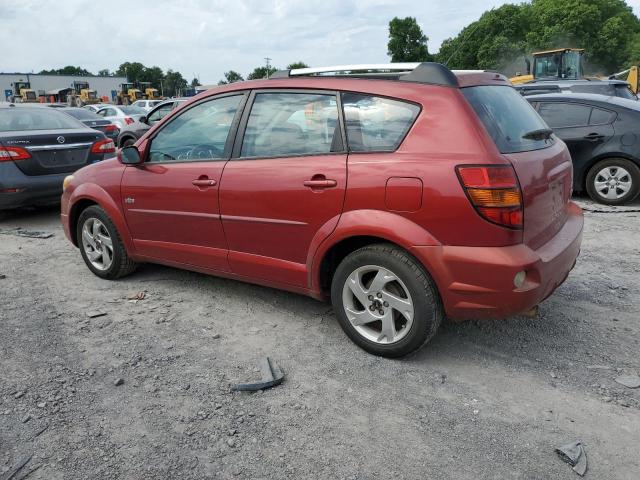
146	105
121	115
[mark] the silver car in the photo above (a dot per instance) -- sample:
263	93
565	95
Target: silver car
121	115
146	105
95	107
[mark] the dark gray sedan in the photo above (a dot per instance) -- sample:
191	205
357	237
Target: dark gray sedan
93	120
39	147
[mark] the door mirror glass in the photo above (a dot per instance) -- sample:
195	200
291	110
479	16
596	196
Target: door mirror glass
130	156
143	119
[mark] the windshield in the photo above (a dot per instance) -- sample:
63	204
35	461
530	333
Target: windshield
133	110
82	114
20	119
508	117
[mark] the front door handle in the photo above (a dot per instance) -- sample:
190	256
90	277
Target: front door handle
320	183
594	137
204	182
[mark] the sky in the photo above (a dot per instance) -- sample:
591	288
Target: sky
205	38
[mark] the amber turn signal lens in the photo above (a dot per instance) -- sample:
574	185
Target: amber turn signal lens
502	197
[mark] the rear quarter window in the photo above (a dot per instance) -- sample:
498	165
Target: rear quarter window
507	117
376	124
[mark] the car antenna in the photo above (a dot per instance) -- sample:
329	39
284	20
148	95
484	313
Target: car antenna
446	64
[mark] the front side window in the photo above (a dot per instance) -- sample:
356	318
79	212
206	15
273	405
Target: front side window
159	113
288	124
199	133
559	114
376	124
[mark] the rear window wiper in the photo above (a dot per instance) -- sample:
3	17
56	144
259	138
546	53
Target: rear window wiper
540	134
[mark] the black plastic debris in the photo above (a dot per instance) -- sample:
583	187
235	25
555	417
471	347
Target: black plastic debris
272	375
16	468
575	455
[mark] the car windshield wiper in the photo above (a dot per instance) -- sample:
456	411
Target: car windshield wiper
540	134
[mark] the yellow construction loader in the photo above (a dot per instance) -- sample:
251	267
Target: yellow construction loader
23	93
148	92
557	64
82	95
128	94
631	77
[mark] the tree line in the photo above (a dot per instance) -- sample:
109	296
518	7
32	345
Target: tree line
607	30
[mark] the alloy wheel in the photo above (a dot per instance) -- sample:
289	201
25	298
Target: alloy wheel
378	304
97	243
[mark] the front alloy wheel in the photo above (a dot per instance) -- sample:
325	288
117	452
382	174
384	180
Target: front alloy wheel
97	244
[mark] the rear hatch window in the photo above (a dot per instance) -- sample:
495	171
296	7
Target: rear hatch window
508	118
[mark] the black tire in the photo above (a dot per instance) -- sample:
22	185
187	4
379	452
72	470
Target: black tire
428	311
121	264
634	178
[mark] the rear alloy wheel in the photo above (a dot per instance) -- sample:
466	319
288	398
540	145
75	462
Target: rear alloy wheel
101	246
128	142
615	181
385	301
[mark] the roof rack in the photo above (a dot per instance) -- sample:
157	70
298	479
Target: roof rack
425	72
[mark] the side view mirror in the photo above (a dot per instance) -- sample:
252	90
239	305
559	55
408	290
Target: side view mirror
129	156
143	119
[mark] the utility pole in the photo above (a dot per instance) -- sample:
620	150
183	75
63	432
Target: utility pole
267	59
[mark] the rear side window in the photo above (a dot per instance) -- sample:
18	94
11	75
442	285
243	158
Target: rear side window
508	117
599	116
559	114
376	124
287	124
16	119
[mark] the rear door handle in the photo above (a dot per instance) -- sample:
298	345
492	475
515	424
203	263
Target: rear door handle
326	183
204	182
594	137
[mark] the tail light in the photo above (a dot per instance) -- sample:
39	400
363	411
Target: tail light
104	146
10	154
128	120
110	128
494	192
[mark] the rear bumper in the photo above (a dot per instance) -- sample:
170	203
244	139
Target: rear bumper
29	190
478	282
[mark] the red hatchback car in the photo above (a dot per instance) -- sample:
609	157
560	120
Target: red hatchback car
405	194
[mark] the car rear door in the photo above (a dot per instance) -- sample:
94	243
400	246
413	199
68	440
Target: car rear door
171	200
584	128
285	183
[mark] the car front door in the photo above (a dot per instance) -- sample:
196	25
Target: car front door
584	128
285	184
171	200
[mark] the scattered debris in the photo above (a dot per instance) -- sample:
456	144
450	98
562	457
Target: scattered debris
2	276
272	375
19	394
96	313
42	404
26	418
575	455
118	382
12	472
28	233
629	381
136	297
40	432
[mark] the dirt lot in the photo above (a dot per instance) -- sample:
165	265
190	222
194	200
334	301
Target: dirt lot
483	400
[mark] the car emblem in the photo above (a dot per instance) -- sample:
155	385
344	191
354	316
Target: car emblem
60	139
93	124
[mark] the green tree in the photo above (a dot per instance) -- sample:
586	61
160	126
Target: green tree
231	77
195	82
174	83
134	71
294	65
155	75
607	30
104	72
261	72
407	43
68	70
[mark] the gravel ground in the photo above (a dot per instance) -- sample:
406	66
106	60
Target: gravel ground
142	392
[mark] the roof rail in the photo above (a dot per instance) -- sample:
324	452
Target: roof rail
425	72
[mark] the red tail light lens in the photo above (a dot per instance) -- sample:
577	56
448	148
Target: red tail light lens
104	146
110	128
494	192
128	120
10	154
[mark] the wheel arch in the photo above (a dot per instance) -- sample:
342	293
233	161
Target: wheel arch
87	195
357	229
124	137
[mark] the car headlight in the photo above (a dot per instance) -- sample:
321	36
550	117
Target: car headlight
66	182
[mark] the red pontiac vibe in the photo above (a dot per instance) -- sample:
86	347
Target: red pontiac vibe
405	195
